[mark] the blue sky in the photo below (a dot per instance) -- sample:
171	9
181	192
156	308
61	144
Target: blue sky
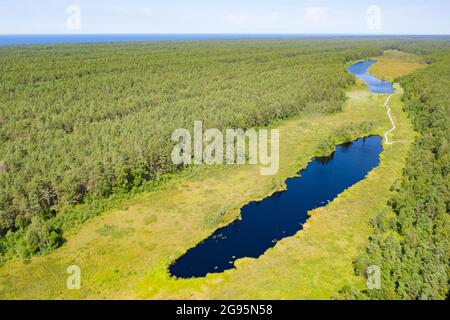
226	16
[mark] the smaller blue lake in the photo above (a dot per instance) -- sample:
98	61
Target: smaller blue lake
361	70
283	214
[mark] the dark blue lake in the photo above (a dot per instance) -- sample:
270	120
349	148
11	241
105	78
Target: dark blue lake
283	214
361	70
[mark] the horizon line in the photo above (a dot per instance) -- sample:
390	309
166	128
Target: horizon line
227	34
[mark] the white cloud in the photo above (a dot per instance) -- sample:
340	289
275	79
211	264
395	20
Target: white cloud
132	10
246	19
315	15
237	18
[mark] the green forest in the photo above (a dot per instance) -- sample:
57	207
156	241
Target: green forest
411	243
83	125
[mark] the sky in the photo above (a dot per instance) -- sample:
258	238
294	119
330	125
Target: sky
225	16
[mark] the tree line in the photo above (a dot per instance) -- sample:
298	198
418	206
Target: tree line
411	243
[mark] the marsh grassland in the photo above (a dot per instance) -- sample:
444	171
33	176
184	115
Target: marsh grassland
125	252
395	64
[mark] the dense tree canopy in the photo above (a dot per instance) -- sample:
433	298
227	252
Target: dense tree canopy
411	244
82	121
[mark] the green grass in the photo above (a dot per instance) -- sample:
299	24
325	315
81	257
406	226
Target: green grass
125	253
394	64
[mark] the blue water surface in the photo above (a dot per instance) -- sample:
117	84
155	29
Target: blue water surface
361	70
9	40
283	214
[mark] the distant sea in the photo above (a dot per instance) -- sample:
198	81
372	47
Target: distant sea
8	40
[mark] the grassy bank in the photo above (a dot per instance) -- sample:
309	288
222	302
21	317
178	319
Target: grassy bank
394	64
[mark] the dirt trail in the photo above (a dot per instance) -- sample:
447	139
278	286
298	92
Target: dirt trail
386	135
